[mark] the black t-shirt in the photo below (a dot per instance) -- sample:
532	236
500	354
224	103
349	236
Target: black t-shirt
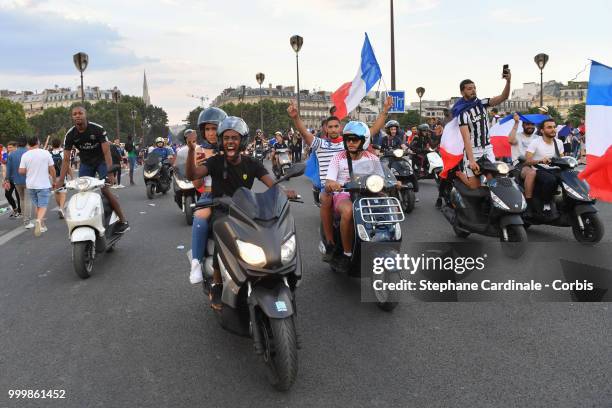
279	146
241	175
89	143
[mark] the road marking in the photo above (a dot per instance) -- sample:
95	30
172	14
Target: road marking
12	234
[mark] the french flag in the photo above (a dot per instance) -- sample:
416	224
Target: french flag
598	171
498	134
451	146
347	97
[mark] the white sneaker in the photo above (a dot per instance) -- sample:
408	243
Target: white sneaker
29	225
43	229
195	276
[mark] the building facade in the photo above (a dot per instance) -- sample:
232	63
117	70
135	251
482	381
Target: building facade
35	103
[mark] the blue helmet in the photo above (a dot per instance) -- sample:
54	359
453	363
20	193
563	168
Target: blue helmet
237	124
358	129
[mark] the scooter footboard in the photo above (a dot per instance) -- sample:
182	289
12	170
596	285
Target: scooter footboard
276	303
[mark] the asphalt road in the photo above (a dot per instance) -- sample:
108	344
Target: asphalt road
137	334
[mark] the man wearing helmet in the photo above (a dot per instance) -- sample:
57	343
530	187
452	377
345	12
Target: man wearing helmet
208	122
228	173
325	149
278	144
392	139
165	153
356	140
419	146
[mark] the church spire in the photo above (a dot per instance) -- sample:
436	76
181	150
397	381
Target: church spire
145	91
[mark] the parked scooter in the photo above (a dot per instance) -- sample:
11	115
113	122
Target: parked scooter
91	223
494	209
571	206
377	217
157	175
400	166
254	243
283	162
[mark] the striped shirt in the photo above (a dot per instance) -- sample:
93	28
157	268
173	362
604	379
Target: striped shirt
477	120
325	150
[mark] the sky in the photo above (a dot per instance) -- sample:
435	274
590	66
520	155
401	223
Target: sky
200	47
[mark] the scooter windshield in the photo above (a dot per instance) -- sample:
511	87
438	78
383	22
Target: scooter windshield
365	168
152	161
260	206
180	162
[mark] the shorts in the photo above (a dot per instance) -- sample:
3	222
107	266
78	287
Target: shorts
338	198
40	197
478	153
87	170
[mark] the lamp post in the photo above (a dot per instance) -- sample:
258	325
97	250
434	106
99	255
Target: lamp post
260	78
541	60
116	98
296	43
81	60
133	113
241	98
420	92
392	48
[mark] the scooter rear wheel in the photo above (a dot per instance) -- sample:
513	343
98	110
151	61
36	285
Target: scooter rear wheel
188	210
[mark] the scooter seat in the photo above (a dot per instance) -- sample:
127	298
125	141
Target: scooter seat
465	191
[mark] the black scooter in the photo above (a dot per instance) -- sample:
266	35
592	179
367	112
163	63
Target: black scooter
157	175
400	166
260	154
494	209
255	246
377	217
571	206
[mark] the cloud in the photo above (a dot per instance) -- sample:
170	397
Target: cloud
43	43
511	16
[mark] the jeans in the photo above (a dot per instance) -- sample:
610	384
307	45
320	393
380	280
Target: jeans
15	205
132	161
40	197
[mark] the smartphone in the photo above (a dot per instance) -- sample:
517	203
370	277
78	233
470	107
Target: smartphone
505	71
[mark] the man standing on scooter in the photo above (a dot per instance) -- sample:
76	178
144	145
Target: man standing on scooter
228	172
94	151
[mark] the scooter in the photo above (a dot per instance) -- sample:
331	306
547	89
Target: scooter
571	206
432	165
494	209
260	154
91	223
377	217
400	166
283	162
185	194
255	246
155	179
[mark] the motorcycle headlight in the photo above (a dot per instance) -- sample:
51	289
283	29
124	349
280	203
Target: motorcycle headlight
502	168
398	153
150	174
497	202
375	183
288	249
251	253
184	185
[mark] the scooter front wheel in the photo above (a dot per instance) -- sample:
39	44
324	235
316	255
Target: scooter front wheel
516	243
189	210
150	190
407	198
387	299
82	258
280	351
593	230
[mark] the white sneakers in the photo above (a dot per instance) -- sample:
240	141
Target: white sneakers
37	228
29	225
195	276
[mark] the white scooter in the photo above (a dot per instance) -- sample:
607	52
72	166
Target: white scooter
435	164
91	223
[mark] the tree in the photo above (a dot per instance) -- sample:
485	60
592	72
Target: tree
12	121
192	118
575	113
53	122
409	119
274	115
552	112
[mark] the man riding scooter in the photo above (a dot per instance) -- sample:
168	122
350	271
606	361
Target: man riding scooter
165	153
420	147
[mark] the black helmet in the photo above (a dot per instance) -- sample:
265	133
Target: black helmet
211	115
423	127
392	123
237	124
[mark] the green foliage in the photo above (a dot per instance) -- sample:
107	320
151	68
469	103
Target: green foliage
274	115
192	118
576	113
409	119
150	122
12	121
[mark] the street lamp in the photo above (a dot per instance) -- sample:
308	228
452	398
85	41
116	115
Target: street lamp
541	60
392	47
81	60
133	113
260	78
116	98
241	98
296	43
420	92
